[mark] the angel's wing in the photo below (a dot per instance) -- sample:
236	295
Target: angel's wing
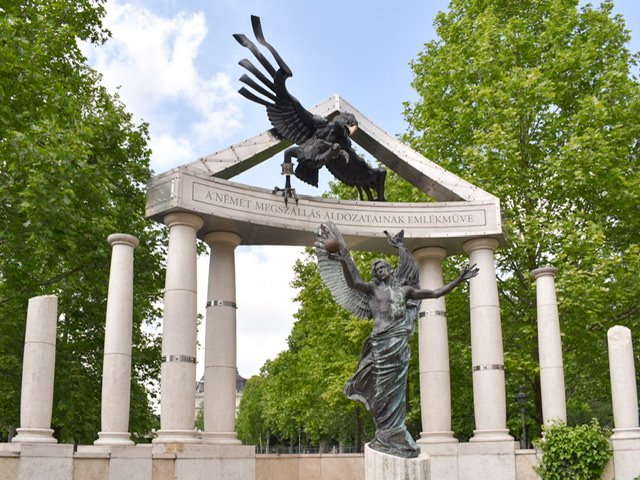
332	274
290	119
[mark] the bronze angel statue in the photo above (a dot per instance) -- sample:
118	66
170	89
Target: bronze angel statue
392	300
319	141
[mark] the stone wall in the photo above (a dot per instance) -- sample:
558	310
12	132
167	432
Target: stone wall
96	466
310	467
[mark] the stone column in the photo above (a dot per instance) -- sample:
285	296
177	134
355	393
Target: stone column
38	366
433	345
489	397
554	406
624	393
179	332
116	369
220	341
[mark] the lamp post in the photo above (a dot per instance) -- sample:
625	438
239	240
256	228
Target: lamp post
299	434
522	397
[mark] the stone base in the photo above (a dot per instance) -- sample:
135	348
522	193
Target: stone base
443	458
204	462
626	455
45	461
24	461
382	466
115	462
487	461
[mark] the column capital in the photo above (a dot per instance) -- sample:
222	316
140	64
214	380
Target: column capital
543	271
123	239
484	243
183	218
229	238
619	332
424	253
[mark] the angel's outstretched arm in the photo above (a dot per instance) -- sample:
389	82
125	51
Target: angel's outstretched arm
421	294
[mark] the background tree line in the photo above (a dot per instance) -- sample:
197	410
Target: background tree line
535	102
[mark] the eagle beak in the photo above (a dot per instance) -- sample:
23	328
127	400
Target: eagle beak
352	129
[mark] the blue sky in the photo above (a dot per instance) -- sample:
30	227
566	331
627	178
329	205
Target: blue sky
174	64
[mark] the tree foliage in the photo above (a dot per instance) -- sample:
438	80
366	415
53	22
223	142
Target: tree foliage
73	167
535	102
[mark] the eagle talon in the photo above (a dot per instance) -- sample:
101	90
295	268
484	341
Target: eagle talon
287	193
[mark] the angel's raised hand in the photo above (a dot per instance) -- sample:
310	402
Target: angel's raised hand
397	240
469	272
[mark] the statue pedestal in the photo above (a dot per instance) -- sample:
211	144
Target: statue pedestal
382	466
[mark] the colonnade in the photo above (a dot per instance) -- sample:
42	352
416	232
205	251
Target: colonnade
178	371
178	374
179	348
179	341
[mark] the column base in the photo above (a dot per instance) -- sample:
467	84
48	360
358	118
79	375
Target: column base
34	435
227	438
631	433
113	438
493	435
176	436
436	437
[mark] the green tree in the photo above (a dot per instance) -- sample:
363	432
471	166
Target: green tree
73	167
535	102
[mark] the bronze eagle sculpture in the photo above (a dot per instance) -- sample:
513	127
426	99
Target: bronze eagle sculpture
319	141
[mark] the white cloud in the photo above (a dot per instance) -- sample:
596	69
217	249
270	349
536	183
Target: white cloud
152	61
169	151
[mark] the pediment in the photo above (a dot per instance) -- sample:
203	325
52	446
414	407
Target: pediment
461	211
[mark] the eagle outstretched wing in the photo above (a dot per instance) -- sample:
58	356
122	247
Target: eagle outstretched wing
287	115
332	274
